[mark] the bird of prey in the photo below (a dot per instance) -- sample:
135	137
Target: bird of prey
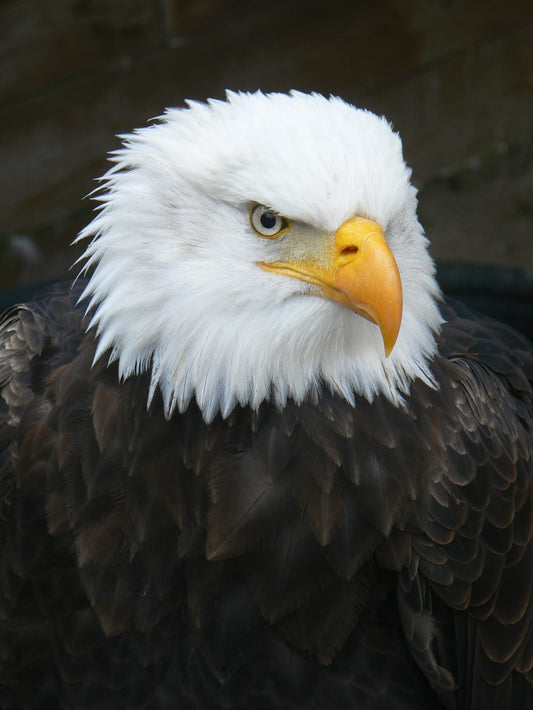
251	458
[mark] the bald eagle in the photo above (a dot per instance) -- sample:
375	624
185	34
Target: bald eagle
251	458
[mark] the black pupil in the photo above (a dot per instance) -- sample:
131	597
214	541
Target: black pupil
268	220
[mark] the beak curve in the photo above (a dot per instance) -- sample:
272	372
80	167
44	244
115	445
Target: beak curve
366	274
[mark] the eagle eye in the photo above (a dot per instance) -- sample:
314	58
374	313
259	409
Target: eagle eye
267	223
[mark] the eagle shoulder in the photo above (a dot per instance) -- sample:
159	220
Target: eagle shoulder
34	338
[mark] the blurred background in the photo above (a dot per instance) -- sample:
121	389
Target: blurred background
454	77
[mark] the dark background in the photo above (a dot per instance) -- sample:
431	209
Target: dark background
454	77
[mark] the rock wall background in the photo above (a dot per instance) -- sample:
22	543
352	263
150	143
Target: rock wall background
454	77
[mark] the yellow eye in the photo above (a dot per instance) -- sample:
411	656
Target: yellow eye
266	222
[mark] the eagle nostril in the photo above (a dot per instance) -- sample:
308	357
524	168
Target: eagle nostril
347	251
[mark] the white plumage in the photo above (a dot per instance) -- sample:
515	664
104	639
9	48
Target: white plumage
177	286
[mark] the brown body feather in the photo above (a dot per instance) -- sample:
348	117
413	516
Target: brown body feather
321	556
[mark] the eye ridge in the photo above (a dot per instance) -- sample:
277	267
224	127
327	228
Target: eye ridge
266	222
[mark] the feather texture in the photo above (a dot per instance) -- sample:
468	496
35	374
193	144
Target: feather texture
319	555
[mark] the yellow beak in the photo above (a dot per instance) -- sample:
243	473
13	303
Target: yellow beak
359	272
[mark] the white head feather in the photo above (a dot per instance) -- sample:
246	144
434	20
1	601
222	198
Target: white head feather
176	288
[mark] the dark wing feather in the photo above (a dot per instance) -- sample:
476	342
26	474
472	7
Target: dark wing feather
475	540
35	583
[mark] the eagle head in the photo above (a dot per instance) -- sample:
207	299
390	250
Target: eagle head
262	248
